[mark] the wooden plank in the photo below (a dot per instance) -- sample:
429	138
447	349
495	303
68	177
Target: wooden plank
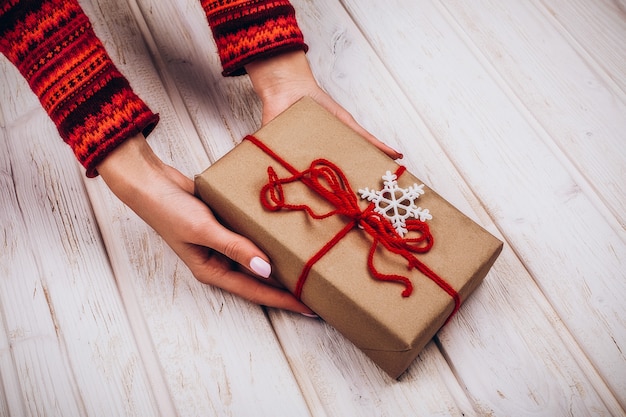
217	353
184	47
571	102
338	379
597	31
71	275
11	401
17	97
37	364
517	175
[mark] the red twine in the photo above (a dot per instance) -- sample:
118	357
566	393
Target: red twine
327	180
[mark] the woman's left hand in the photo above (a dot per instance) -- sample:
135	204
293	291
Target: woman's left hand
282	80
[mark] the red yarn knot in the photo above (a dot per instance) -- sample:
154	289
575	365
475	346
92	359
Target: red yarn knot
323	177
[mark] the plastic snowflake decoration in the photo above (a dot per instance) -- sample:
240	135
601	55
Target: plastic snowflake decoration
395	203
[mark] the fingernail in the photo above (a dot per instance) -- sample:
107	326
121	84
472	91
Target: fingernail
261	267
400	155
312	316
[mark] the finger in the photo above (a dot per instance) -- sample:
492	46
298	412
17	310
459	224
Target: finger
239	249
347	118
216	271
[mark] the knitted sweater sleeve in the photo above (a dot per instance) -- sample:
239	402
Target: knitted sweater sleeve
247	30
54	47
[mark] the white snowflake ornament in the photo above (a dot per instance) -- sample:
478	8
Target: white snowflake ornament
395	203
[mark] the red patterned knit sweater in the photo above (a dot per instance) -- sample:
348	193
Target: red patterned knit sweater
53	45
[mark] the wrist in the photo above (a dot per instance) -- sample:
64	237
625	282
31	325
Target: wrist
128	168
273	75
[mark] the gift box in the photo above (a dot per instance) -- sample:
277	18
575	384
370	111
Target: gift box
374	252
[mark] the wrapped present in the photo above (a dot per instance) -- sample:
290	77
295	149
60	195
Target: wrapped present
363	243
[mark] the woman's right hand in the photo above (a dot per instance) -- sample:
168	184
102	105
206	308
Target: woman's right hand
163	197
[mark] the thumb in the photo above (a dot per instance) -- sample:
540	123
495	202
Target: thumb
346	117
241	250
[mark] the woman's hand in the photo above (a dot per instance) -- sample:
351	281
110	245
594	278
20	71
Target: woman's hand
163	198
282	80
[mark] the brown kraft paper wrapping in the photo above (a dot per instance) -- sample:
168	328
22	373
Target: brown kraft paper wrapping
389	328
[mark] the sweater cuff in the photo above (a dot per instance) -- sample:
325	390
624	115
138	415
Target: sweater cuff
53	45
120	116
248	30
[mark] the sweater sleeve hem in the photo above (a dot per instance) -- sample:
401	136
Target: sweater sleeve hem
144	124
237	65
249	30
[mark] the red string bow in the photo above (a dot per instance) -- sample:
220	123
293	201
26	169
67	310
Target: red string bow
331	184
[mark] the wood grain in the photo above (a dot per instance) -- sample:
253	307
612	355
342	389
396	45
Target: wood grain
75	340
577	113
513	112
537	204
11	399
596	31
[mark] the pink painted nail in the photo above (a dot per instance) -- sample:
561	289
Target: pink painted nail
261	267
312	316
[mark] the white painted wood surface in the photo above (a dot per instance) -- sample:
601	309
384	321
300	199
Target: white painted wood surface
514	111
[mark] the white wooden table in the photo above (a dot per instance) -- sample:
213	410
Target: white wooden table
515	111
